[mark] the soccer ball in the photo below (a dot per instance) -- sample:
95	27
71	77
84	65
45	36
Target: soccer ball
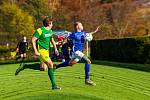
88	37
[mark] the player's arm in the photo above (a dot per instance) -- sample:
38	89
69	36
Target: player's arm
95	30
35	36
54	44
17	49
27	45
71	36
70	39
34	39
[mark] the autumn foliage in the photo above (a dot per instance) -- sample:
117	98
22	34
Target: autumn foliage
116	18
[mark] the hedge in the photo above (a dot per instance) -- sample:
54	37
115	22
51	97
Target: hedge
132	50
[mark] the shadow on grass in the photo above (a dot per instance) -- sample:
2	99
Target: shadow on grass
34	66
140	67
59	96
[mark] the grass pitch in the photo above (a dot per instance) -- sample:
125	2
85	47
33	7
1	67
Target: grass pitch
113	83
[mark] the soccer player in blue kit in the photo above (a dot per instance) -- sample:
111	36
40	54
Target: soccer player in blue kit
78	40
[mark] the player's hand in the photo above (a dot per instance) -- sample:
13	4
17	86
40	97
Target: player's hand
97	29
36	54
56	52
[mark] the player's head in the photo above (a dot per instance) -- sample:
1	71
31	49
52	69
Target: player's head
24	38
48	22
78	26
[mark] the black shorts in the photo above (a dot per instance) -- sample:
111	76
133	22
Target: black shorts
22	51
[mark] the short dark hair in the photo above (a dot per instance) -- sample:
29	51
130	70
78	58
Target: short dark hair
47	21
76	23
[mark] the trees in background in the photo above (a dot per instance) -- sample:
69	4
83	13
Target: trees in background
116	18
38	9
14	22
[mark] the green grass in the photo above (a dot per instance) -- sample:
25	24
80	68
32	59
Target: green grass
113	83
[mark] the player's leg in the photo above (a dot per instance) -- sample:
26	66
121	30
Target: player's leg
18	56
35	66
87	71
43	66
23	65
76	57
24	56
22	59
44	55
51	75
19	69
63	64
87	67
67	63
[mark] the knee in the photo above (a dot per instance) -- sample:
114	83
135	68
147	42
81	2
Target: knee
88	62
70	64
25	55
43	67
49	64
21	55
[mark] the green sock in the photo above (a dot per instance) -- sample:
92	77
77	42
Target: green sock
51	76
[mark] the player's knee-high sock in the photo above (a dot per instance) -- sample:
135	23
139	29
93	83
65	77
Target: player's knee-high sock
64	64
87	70
51	76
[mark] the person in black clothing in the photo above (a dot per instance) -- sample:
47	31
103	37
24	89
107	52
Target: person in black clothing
22	48
66	50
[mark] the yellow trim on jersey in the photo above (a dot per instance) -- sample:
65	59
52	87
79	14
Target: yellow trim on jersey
39	31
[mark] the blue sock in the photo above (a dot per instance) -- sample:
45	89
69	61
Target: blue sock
87	70
64	64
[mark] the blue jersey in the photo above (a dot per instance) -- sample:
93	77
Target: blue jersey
78	40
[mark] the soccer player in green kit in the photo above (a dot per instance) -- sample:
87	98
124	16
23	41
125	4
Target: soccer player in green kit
41	40
42	36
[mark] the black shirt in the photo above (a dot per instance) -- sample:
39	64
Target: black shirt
22	46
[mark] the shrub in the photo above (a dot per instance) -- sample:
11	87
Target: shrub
135	50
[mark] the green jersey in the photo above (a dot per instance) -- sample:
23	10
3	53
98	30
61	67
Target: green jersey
44	36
